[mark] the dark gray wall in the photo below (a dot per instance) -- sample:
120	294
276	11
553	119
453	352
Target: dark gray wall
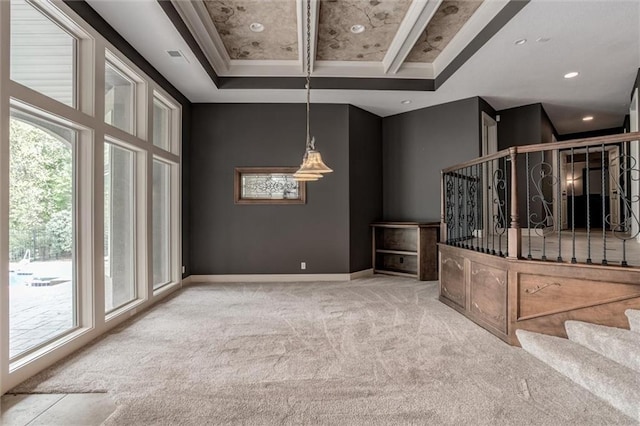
186	190
526	125
227	238
547	129
416	145
520	126
365	184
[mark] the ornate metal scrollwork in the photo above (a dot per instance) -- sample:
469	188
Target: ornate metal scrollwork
499	214
542	176
472	191
627	225
449	206
460	207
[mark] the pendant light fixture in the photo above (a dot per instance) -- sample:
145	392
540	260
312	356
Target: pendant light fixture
312	167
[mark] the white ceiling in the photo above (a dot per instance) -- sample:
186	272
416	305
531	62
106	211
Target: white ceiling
598	38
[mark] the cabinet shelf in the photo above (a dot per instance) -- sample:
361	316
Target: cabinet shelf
403	252
407	249
400	274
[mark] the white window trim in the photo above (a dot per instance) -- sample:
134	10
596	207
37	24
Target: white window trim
139	239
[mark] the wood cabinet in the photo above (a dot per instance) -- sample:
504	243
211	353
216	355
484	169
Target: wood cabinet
407	249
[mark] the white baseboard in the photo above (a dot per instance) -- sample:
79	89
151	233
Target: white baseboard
362	274
251	278
186	281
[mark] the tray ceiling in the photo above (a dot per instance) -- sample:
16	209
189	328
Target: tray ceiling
232	20
445	24
413	39
380	19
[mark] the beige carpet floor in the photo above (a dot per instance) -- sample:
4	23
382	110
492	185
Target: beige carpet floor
372	351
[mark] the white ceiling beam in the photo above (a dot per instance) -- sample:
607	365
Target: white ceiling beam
414	23
302	32
197	19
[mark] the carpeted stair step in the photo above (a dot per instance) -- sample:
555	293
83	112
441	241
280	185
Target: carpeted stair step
614	383
617	344
633	315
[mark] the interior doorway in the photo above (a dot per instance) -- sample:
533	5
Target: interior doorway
634	148
489	146
590	188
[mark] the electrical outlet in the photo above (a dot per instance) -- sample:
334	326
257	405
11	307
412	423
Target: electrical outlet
303	265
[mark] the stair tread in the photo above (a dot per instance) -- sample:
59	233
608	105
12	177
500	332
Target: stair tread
633	315
614	383
617	344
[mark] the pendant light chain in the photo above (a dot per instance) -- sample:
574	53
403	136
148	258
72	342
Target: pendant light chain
312	167
309	143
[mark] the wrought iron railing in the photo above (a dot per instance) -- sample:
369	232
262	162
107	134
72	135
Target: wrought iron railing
576	201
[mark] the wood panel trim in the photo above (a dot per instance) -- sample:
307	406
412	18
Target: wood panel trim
606	311
559	311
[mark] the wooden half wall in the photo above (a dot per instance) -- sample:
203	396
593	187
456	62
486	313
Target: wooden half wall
503	295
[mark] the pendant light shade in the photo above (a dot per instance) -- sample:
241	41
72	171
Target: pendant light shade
306	177
312	166
312	162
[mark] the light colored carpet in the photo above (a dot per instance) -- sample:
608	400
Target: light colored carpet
372	351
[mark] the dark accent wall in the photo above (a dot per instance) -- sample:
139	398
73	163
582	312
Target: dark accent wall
92	17
365	184
416	146
520	126
547	130
526	125
228	238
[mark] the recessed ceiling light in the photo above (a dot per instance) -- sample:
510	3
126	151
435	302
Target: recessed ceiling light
357	29
406	102
587	118
571	74
256	27
521	41
542	39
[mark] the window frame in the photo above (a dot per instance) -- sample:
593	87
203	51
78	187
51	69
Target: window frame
119	67
50	11
138	234
36	113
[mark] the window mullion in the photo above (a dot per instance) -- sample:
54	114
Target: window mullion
4	195
41	102
98	301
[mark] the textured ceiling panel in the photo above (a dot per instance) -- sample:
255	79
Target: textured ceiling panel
449	18
381	19
279	40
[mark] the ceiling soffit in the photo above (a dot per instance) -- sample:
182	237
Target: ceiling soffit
380	18
403	39
278	41
445	24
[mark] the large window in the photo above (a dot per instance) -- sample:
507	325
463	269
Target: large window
119	226
42	53
119	98
41	231
161	124
161	224
89	220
